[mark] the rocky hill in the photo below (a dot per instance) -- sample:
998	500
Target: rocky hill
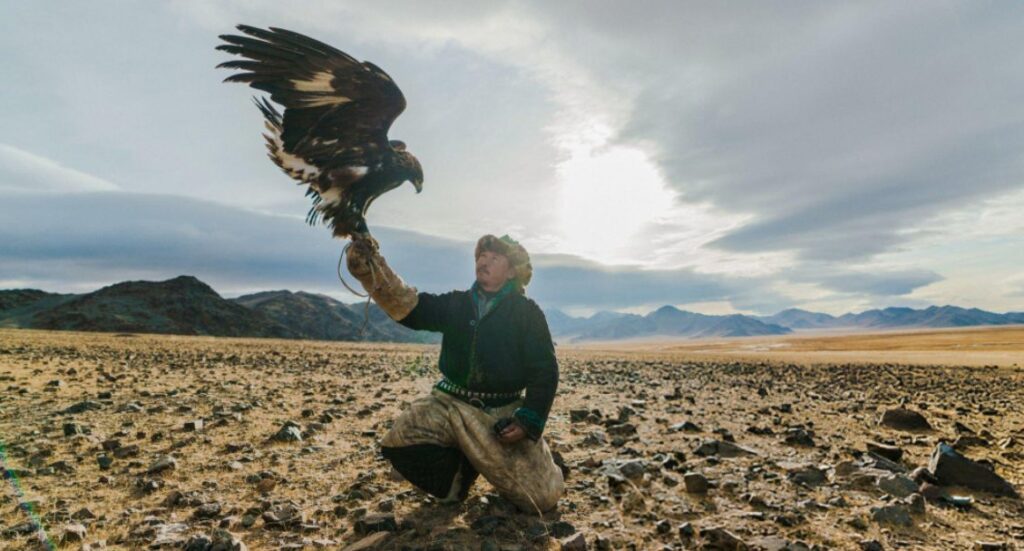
323	318
187	306
181	306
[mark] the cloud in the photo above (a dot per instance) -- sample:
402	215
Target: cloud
882	284
104	237
21	170
817	153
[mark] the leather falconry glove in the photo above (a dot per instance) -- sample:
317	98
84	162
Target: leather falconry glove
385	286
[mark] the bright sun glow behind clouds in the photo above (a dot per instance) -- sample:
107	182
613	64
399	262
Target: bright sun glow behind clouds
607	196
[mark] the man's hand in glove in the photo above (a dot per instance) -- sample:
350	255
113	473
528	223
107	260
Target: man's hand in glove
388	290
362	254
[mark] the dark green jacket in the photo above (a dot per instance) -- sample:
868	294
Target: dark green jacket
507	350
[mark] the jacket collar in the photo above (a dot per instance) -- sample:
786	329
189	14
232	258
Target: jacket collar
475	291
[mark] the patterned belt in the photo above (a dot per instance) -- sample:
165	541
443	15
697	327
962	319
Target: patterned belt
471	396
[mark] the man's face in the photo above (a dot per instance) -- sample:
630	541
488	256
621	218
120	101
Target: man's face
493	270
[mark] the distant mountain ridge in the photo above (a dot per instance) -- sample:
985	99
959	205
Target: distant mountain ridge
186	306
890	318
669	321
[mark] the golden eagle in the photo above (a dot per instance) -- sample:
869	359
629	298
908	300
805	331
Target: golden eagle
334	132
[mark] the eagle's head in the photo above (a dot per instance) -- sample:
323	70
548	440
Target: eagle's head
411	168
417	177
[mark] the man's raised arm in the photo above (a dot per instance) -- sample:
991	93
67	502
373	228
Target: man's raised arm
402	303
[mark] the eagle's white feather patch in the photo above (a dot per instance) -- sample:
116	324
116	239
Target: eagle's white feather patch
318	101
329	198
293	165
359	171
321	82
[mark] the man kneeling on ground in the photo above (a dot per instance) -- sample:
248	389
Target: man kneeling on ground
476	419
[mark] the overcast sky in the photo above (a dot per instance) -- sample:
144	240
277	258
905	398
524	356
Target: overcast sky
718	156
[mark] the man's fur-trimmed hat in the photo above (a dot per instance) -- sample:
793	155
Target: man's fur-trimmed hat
516	254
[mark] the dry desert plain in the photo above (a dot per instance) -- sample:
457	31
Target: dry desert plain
142	441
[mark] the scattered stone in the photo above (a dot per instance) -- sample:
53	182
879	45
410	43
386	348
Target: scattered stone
871	545
799	437
72	429
970	440
953	469
83	514
892	453
915	503
199	542
560	529
921	475
876	461
369	542
73	532
905	419
169	535
807	475
82	407
285	515
722	540
207	510
377	522
126	451
991	546
575	542
289	432
193	426
578	415
897	485
164	463
896	514
771	543
721	448
226	541
696	483
685	426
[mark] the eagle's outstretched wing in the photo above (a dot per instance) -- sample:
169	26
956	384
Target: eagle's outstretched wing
337	112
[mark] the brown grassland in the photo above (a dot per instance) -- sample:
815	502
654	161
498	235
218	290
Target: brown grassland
628	398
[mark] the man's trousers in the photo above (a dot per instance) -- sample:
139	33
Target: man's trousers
440	444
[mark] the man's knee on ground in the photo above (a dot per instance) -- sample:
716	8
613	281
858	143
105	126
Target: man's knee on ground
430	467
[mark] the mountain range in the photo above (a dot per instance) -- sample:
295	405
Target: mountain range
187	306
669	321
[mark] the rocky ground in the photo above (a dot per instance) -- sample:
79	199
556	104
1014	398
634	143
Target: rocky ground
128	442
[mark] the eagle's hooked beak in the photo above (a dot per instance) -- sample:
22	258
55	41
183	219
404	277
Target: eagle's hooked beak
418	184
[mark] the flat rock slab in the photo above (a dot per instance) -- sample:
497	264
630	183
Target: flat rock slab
722	448
953	469
373	541
904	419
